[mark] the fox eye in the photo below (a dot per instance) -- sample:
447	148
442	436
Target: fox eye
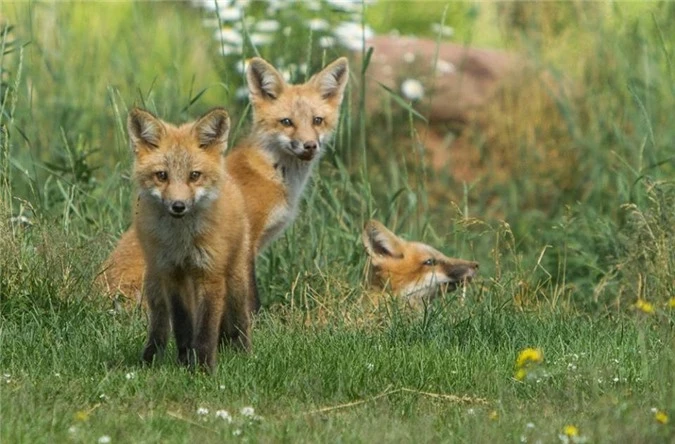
194	175
286	122
318	120
161	176
429	262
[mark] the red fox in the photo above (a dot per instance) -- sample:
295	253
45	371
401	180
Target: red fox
291	124
412	271
191	229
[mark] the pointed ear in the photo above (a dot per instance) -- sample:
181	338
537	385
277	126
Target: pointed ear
331	81
380	242
145	130
263	80
213	129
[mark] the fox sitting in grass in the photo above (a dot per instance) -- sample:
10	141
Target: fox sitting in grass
411	271
291	124
192	231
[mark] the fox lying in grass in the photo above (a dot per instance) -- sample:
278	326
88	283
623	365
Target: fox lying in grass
192	232
412	271
291	124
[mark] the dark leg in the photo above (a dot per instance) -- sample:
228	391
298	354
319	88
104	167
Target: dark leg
158	323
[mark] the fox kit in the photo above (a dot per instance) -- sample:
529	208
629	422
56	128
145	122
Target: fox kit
191	230
412	271
291	124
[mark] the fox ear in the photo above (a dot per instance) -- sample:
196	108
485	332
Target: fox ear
144	129
381	242
332	80
263	80
213	128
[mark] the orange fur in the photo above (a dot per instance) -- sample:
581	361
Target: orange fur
411	270
271	167
195	242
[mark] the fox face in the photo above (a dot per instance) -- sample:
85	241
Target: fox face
179	168
295	120
412	269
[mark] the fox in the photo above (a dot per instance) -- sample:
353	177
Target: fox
196	245
411	271
291	125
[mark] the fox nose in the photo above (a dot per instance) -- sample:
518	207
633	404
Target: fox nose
178	208
310	146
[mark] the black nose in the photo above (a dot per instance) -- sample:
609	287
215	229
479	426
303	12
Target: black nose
310	146
178	207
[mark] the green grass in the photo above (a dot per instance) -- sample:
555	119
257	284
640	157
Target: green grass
566	246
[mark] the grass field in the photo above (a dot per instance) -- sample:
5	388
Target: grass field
575	244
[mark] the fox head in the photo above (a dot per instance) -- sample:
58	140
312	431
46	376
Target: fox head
412	269
295	119
179	168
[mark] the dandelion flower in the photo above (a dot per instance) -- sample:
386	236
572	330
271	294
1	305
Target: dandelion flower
247	411
570	430
671	302
529	355
644	306
81	416
493	415
661	417
412	89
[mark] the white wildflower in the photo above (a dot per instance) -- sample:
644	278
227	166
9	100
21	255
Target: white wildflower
443	30
130	376
412	89
224	415
317	24
409	57
72	429
229	35
443	67
529	425
201	411
267	26
259	39
351	35
247	411
105	439
230	14
236	432
326	42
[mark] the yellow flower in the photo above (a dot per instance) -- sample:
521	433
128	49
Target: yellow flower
661	417
529	355
81	416
671	302
570	430
644	306
493	415
520	374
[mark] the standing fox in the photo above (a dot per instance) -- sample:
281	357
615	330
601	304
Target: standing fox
411	270
291	124
190	228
